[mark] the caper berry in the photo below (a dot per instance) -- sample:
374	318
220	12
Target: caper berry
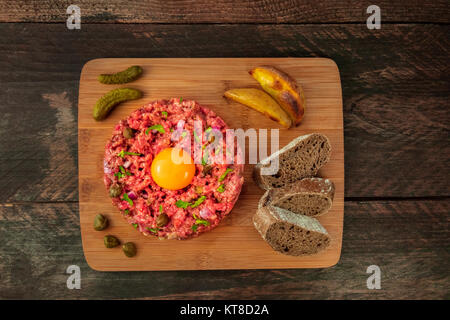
111	241
207	169
100	222
162	220
115	190
129	249
128	133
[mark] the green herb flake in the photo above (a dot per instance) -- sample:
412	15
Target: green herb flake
153	230
196	138
157	127
182	204
127	199
135	225
160	208
208	129
181	99
224	175
123	153
126	212
198	202
184	134
205	159
194	227
221	188
164	113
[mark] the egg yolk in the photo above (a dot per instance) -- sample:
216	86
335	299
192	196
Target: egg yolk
173	169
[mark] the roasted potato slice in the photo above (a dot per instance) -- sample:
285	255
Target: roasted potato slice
283	89
260	101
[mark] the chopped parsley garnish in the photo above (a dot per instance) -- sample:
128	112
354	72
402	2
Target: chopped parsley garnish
135	225
126	212
184	134
160	208
181	99
221	188
127	199
164	113
157	127
205	159
199	222
123	153
198	202
185	204
224	175
196	138
182	204
122	173
208	129
153	230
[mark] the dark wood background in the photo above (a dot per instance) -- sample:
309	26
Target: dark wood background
395	83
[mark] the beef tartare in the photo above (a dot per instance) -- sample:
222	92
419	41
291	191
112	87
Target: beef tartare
153	201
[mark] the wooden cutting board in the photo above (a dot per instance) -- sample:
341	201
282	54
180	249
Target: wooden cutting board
234	244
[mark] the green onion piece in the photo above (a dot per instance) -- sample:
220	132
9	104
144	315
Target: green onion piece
224	175
221	188
122	169
208	129
181	99
198	202
135	225
123	153
182	204
127	199
197	139
205	159
126	212
160	208
164	113
153	230
184	134
203	222
194	227
157	127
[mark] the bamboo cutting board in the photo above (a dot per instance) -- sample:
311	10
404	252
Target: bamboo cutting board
234	244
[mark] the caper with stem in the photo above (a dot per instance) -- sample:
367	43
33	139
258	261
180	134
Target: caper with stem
128	133
115	190
100	222
162	220
129	249
111	241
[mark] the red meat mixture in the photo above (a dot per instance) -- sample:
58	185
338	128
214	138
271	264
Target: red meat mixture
197	208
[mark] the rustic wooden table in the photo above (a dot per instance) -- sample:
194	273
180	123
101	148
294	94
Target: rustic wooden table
395	82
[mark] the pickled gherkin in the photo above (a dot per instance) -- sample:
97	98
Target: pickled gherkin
106	103
128	75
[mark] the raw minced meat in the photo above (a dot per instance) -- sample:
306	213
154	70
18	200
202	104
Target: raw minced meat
127	168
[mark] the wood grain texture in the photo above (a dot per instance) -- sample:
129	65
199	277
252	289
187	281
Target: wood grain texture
233	11
395	87
408	240
235	244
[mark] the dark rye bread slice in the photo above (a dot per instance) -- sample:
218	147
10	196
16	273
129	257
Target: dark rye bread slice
290	233
311	197
301	158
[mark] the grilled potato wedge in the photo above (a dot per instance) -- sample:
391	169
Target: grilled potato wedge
262	102
283	89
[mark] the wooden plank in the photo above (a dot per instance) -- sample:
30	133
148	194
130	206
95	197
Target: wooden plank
395	107
235	11
223	247
408	240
